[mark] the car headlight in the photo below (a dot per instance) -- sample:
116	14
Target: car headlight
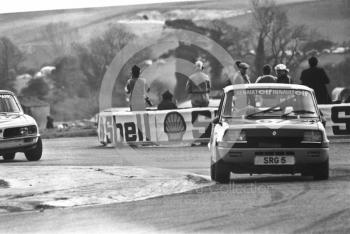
313	136
32	129
235	135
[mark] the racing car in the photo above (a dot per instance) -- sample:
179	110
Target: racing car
18	132
268	128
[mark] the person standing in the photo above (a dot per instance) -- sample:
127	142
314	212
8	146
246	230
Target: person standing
167	102
317	79
198	86
49	122
266	77
241	77
282	74
137	88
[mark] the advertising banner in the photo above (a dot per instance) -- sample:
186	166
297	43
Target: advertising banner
192	124
338	119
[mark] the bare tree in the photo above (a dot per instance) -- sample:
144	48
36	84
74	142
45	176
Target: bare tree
59	36
10	58
277	41
264	15
99	53
233	39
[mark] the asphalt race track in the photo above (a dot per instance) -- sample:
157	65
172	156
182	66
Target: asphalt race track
249	204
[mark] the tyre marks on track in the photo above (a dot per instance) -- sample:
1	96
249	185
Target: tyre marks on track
278	197
269	224
327	222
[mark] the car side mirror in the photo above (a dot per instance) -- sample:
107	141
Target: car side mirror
216	120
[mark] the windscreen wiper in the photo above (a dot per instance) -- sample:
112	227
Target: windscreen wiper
298	112
269	110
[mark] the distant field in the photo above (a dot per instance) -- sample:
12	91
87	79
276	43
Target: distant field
331	18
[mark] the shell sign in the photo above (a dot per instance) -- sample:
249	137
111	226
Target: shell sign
174	126
182	125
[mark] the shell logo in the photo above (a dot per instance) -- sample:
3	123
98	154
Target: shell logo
174	126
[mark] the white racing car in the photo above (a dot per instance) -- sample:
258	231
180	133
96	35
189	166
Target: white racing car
18	132
268	128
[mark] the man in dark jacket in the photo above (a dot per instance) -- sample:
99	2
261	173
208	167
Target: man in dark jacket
316	78
167	102
266	77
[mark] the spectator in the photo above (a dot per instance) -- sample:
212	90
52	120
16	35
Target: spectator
198	86
49	122
317	79
282	74
266	77
241	76
136	87
237	63
167	102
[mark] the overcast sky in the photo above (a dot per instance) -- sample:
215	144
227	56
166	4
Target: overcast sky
8	6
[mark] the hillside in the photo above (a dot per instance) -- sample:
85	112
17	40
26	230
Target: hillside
329	17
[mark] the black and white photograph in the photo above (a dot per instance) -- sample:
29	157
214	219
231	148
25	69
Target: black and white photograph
175	116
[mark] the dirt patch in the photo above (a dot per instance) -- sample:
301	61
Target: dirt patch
54	133
197	179
11	208
42	207
4	184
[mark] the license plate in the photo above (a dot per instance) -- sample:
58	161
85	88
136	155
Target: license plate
274	160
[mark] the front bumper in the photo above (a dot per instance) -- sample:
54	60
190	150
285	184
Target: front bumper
242	160
20	144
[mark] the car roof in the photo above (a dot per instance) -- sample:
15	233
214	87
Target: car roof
266	86
6	92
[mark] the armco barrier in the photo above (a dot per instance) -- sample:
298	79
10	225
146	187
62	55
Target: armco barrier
122	126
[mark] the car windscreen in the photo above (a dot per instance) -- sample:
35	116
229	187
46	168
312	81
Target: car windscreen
8	104
276	103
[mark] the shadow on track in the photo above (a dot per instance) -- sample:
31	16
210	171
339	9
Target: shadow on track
12	161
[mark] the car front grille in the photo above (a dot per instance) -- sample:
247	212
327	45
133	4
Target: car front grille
270	138
20	131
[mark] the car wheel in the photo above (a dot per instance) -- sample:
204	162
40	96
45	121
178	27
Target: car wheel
219	172
35	154
321	172
9	156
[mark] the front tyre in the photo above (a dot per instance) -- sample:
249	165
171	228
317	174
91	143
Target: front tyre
9	156
219	172
321	171
35	154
